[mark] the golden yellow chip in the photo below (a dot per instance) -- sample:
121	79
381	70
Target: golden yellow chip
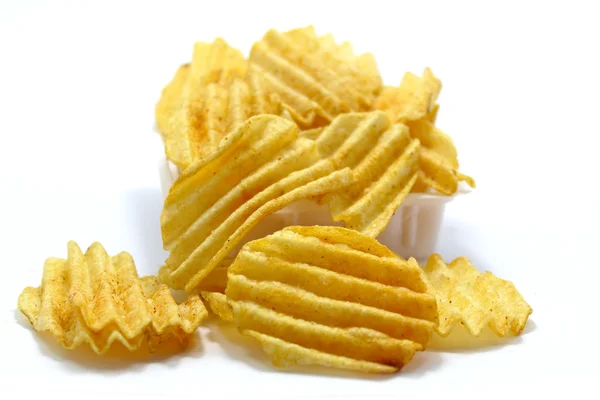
169	99
434	140
258	169
313	78
414	99
98	299
331	296
218	304
475	300
385	163
414	103
219	93
212	291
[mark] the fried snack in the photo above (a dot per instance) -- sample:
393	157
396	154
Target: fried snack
414	104
385	164
218	95
475	300
413	100
258	169
313	78
331	296
218	304
212	291
98	299
167	104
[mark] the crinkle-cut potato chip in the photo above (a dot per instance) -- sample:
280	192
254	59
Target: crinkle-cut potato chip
313	78
331	296
414	104
167	104
385	164
257	169
434	139
437	173
219	93
475	300
218	304
97	299
212	291
414	99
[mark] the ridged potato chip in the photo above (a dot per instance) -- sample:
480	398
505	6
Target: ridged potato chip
474	300
219	93
219	305
414	104
97	299
331	296
413	100
212	291
385	164
257	169
169	99
313	78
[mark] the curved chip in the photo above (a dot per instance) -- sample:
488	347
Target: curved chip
97	299
218	95
219	305
414	104
212	291
412	100
331	296
313	78
258	169
169	98
385	164
474	300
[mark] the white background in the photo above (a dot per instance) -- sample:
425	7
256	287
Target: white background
78	85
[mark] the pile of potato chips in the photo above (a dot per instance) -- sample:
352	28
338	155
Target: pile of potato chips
302	118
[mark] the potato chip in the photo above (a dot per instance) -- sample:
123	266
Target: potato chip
313	78
98	299
414	104
258	169
216	280
434	140
437	173
385	163
475	300
218	304
218	95
169	99
412	100
331	296
212	291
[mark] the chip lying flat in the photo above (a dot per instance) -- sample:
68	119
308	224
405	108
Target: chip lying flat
313	78
257	169
331	296
97	299
475	300
215	97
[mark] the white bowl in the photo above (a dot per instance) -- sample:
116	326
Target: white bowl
412	231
